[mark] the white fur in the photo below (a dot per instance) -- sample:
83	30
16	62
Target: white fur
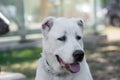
52	47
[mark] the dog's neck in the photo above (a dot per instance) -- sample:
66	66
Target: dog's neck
48	68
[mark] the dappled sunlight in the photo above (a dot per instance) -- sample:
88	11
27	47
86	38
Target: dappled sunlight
113	79
110	68
109	48
20	66
95	55
104	59
113	33
25	65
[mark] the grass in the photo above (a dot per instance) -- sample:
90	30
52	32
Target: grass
20	60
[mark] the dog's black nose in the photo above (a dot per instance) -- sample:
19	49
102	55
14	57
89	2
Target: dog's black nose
78	55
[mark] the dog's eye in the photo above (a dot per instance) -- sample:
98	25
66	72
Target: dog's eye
78	37
63	38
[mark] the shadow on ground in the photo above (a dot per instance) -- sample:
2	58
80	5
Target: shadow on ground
104	60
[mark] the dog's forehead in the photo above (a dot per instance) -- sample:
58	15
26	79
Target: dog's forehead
65	25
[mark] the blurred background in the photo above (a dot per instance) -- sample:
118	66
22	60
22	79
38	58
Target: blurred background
20	48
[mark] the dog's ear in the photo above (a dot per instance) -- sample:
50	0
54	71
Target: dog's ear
47	24
80	22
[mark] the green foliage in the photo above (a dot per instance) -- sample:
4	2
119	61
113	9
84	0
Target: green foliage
20	55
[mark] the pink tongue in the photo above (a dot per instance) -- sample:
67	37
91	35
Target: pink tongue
74	68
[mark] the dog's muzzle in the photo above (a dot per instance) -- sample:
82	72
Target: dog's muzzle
72	67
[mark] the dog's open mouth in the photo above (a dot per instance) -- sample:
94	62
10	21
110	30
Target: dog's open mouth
72	67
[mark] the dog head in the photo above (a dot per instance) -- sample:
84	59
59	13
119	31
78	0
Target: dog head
62	43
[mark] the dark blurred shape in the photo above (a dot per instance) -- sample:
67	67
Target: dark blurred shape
113	12
4	24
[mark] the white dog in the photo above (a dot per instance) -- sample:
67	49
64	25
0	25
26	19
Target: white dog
63	55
